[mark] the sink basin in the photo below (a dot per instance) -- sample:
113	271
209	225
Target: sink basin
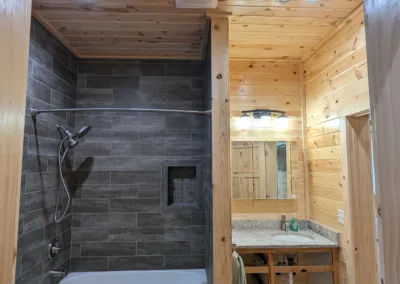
292	236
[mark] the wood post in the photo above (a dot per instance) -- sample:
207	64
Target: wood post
221	172
383	49
15	21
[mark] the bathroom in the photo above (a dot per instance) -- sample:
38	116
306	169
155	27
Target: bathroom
161	140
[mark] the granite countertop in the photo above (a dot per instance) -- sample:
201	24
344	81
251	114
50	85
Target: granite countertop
259	234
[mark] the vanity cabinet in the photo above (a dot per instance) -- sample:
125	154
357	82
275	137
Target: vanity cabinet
309	263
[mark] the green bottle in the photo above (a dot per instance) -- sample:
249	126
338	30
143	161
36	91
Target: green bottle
294	225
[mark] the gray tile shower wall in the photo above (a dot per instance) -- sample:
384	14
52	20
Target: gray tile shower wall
51	84
117	222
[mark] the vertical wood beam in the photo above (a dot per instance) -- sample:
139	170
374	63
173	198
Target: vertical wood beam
221	147
15	21
304	139
383	50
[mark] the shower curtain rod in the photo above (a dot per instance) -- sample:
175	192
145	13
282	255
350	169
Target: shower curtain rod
35	112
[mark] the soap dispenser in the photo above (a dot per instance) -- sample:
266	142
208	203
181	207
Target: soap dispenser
294	225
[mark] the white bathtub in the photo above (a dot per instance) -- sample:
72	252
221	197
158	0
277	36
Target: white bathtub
190	276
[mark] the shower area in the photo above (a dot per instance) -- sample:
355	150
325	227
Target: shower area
115	182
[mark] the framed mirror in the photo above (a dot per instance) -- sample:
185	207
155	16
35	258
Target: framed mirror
264	169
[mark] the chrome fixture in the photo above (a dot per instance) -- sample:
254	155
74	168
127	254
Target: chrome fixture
54	249
73	141
264	115
35	112
57	273
283	223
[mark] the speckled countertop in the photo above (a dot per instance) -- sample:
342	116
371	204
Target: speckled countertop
259	234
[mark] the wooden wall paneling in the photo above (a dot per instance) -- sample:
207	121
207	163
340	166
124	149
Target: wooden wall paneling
271	169
243	172
221	145
361	198
260	152
382	27
15	23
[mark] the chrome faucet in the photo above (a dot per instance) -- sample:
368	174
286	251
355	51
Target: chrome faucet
283	223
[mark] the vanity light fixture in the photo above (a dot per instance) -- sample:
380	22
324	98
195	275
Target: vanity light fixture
265	116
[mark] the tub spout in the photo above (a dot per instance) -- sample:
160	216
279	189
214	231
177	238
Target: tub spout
57	273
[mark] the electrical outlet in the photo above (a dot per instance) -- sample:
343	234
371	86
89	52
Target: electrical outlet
341	216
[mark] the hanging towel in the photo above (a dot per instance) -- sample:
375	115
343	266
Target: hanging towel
238	273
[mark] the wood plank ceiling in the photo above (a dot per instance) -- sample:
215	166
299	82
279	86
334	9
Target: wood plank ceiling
262	29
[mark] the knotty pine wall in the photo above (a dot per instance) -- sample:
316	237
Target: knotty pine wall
272	85
336	84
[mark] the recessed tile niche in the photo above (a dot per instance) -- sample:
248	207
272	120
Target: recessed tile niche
181	187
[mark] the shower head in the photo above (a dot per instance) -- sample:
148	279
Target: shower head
73	137
84	130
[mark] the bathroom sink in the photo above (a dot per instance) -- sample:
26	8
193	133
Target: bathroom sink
292	236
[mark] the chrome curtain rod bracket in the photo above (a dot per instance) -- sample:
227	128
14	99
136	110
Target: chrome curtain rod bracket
35	112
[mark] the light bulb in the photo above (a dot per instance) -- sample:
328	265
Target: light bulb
282	121
245	121
266	119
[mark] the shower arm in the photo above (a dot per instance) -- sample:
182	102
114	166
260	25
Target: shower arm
35	112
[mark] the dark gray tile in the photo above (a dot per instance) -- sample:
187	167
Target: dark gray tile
163	248
41	56
110	191
198	83
31	277
37	90
41	181
113	82
165	135
138	122
190	233
106	163
60	100
89	234
165	83
185	95
151	219
82	264
108	249
185	262
85	95
136	263
139	69
198	219
197	135
136	234
89	149
113	136
73	64
198	248
185	122
63	72
96	68
76	220
188	70
151	191
43	146
110	220
46	77
37	200
38	218
75	250
55	117
135	177
34	164
38	127
138	149
33	257
95	121
85	205
84	178
30	240
51	45
81	81
135	205
185	149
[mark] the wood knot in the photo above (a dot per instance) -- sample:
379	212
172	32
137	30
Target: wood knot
219	76
216	27
223	239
